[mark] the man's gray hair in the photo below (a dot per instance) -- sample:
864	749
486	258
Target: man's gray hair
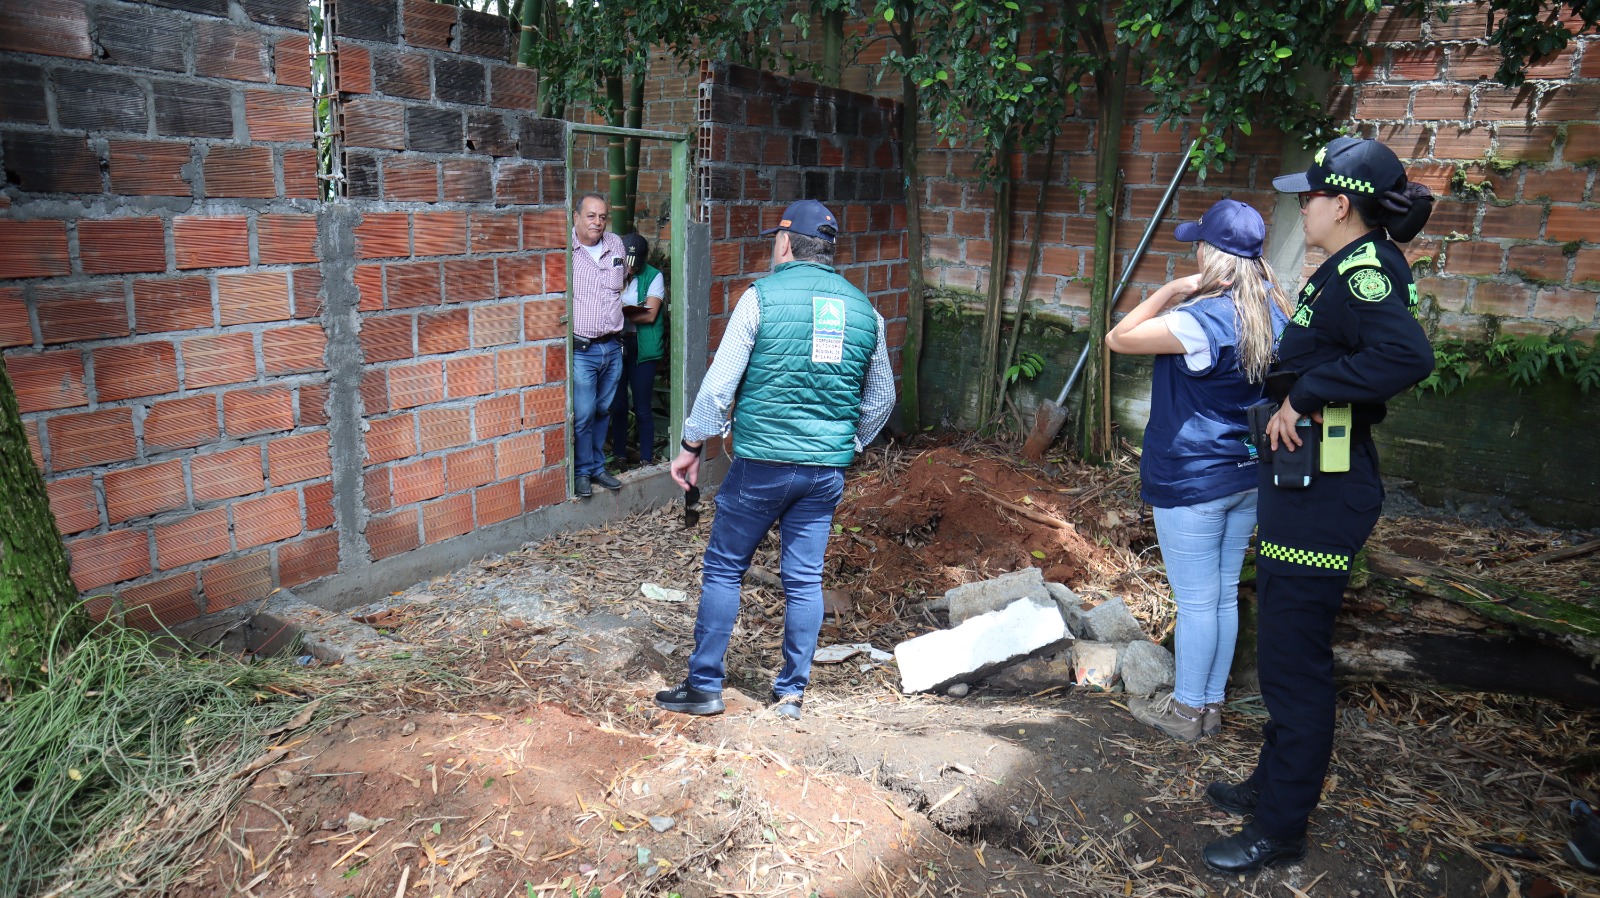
811	249
591	196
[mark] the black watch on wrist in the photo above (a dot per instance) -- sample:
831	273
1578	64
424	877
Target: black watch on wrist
692	450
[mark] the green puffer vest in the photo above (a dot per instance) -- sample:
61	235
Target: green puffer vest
800	399
651	338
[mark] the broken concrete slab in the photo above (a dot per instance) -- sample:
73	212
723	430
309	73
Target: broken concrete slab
1095	664
980	644
1147	668
1034	675
1111	621
1071	605
972	599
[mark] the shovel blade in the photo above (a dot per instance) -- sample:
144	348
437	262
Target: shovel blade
1047	421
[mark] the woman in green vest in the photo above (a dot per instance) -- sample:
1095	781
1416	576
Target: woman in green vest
644	342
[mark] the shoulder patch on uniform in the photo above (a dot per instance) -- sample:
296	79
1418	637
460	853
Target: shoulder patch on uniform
1365	257
1370	284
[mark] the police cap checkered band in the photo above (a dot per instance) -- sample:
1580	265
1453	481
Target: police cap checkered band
1348	165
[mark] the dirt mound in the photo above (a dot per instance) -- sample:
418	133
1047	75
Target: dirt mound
947	517
542	802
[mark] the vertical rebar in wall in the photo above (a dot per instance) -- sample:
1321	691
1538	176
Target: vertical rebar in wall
325	94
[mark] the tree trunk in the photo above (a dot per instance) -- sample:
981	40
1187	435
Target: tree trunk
1094	434
910	122
995	305
616	159
1010	357
832	46
635	119
38	601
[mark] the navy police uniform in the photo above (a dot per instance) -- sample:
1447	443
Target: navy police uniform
1354	338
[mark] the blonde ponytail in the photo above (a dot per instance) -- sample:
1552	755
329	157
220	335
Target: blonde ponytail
1254	286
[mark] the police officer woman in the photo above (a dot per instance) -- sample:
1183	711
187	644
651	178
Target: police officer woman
1352	343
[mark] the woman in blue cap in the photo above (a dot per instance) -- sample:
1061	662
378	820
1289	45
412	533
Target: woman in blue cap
1352	343
1212	335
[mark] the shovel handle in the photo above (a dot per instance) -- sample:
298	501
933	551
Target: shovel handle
1133	261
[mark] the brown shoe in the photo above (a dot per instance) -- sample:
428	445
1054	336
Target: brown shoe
1211	722
1164	712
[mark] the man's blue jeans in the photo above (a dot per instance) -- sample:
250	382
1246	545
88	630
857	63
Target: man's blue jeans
754	495
595	372
1203	547
639	378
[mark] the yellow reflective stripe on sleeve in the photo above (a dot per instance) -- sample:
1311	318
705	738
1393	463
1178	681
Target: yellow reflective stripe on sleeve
1324	560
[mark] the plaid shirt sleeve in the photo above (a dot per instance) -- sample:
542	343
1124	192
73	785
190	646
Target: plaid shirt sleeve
712	406
877	398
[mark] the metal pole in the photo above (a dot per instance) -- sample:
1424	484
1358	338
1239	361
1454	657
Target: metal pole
1133	262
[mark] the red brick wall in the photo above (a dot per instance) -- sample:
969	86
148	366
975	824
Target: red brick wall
1426	92
767	141
162	309
1526	252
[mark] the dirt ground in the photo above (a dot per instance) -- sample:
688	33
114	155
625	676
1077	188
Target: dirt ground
522	755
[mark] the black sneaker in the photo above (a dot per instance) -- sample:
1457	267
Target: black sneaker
1235	798
686	699
605	479
581	488
1584	846
787	706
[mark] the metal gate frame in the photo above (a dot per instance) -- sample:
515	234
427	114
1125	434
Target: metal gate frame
678	302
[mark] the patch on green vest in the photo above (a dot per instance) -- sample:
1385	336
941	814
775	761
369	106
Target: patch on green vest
1370	284
827	330
1302	315
1366	256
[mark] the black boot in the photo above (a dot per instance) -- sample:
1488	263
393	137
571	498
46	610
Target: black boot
1235	798
686	699
1247	852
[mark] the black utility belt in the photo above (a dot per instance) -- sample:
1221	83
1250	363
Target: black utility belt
582	344
1324	448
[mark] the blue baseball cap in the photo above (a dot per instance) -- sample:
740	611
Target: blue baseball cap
1230	226
807	218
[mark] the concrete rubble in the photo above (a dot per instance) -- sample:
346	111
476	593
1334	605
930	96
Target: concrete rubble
1147	668
980	644
972	599
1015	633
1111	621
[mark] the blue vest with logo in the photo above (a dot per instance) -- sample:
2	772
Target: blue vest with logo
1197	443
800	399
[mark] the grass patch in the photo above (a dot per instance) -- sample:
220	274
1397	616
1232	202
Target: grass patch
121	765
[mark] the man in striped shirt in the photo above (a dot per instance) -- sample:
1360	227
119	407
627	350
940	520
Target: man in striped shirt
598	273
805	353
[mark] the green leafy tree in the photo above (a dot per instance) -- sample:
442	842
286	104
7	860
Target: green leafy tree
990	74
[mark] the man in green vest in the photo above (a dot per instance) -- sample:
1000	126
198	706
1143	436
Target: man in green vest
804	355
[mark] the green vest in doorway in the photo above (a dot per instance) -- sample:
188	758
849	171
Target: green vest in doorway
652	337
800	400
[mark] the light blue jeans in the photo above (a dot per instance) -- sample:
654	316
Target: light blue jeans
1203	546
